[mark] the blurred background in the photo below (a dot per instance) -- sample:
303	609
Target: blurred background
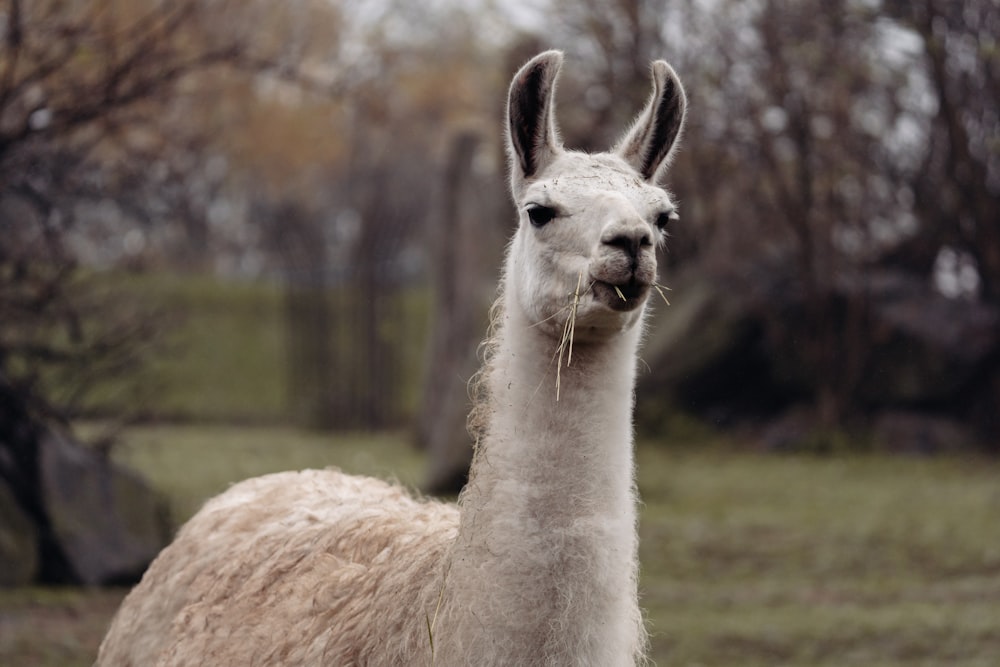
247	235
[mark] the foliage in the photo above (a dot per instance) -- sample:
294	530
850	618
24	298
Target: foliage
828	141
80	94
62	338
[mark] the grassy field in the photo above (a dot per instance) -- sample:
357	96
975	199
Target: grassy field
761	560
222	349
747	559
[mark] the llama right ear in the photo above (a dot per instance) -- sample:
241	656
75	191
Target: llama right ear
649	145
532	140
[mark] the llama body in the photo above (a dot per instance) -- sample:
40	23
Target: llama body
537	564
291	569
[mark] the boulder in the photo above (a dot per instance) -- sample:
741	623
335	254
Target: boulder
18	542
910	432
796	430
107	522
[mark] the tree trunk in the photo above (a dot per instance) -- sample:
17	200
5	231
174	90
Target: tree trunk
465	256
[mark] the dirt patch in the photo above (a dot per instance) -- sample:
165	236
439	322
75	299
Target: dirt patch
54	627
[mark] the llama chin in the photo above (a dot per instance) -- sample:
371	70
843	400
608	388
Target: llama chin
537	563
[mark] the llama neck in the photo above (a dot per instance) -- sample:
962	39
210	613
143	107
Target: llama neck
569	445
546	551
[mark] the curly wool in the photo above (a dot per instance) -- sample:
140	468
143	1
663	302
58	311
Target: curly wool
335	552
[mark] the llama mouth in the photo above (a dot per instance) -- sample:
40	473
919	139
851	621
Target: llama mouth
625	296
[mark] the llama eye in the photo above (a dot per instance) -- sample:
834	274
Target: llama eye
540	215
665	218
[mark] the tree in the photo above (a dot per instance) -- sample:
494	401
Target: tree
113	151
956	183
830	145
78	94
91	94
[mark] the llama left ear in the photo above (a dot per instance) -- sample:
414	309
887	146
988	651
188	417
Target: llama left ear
650	144
532	140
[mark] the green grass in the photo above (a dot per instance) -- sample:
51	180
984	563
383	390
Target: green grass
223	349
218	351
762	560
747	559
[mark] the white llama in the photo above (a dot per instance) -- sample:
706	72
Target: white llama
537	564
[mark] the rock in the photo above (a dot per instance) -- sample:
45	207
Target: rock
918	433
18	543
790	431
108	523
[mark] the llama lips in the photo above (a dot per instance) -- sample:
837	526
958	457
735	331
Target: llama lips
624	297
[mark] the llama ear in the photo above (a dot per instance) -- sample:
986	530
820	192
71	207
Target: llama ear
532	140
649	145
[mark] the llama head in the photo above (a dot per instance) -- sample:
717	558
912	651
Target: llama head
589	224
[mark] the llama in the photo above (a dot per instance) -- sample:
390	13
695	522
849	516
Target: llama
537	563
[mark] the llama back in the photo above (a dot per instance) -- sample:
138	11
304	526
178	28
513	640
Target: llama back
332	569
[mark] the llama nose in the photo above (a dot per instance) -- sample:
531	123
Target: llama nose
628	238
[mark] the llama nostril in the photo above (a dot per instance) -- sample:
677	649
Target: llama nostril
630	243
